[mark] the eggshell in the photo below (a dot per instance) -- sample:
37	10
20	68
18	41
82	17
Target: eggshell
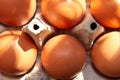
106	12
63	56
63	14
17	52
106	54
16	12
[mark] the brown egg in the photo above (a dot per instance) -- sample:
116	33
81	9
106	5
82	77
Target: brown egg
16	12
63	56
17	52
63	14
106	54
106	12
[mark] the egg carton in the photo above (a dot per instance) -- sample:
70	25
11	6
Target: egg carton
86	31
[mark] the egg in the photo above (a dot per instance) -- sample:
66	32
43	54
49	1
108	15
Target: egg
106	12
17	52
16	12
63	14
63	56
106	54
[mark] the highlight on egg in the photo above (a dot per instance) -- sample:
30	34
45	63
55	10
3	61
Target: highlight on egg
18	52
106	54
63	14
63	56
16	12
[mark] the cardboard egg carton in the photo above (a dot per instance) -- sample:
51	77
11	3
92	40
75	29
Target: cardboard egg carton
40	31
